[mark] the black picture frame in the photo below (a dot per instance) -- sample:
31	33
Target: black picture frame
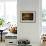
28	16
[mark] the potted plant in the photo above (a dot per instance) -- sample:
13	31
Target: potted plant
1	22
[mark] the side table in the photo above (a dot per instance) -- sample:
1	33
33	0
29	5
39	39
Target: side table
1	34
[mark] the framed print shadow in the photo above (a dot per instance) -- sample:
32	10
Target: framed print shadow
28	16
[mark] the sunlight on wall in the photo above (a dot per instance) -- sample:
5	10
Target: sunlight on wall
43	4
8	11
1	9
11	11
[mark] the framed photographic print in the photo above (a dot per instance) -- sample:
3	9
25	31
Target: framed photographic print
28	16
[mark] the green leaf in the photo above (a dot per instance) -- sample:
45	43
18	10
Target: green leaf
1	21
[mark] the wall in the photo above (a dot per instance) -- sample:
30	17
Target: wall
30	31
8	10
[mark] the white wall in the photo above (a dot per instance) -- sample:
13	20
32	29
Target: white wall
8	11
30	31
